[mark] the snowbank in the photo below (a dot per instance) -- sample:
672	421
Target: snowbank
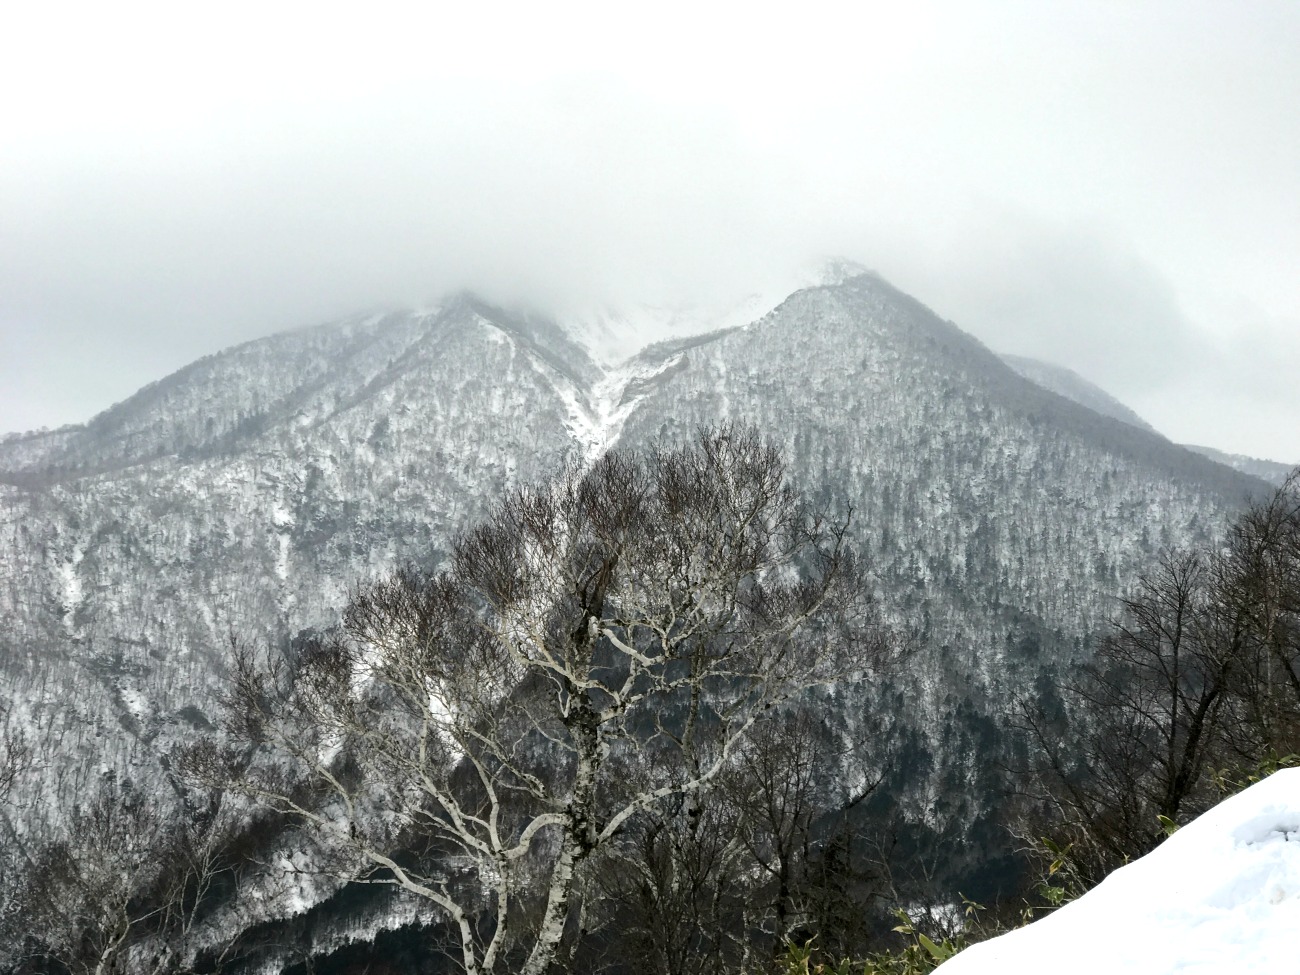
1220	895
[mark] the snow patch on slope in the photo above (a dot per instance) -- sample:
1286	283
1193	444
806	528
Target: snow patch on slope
1220	895
135	701
613	399
594	416
612	336
73	592
282	521
720	366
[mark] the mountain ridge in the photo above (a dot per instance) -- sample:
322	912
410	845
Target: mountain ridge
1068	383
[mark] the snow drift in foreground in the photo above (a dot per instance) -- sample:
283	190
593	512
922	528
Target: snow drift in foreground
1220	895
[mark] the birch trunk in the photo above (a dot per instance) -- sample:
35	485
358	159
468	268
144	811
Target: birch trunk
579	840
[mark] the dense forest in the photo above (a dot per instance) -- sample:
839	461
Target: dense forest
648	717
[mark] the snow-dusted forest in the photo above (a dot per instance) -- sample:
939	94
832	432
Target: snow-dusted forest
936	662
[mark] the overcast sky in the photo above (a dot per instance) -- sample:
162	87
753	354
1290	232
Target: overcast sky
1114	187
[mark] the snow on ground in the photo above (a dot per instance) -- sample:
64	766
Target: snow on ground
614	335
595	421
1220	895
72	588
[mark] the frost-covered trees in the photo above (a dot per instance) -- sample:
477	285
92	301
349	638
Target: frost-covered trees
1152	700
1200	674
1259	575
119	886
599	648
15	753
15	757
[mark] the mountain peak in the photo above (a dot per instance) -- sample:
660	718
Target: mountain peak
837	270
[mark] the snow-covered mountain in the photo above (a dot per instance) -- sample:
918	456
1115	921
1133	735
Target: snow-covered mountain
246	493
1068	383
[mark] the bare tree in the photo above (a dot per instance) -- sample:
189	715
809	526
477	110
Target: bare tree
718	882
15	753
16	757
1149	714
674	894
599	647
1257	580
1200	674
120	890
791	784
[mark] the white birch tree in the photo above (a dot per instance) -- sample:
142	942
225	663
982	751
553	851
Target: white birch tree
597	646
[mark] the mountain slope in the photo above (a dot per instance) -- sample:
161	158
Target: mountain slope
1265	470
1068	383
121	589
966	479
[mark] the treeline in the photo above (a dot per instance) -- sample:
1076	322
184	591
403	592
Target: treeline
1195	688
626	730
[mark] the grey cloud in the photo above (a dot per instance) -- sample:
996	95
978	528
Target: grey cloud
1016	185
1080	297
1066	293
555	199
